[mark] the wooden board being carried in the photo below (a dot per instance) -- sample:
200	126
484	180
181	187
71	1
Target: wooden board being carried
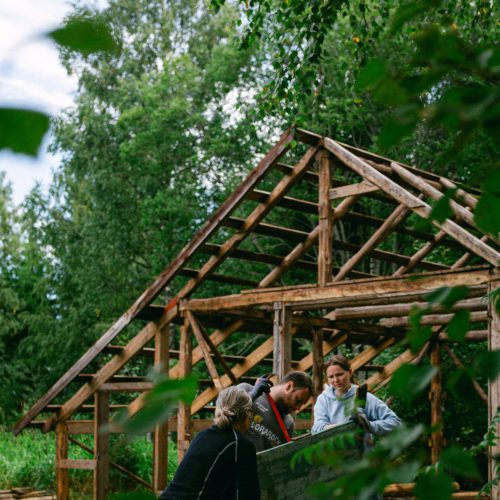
278	481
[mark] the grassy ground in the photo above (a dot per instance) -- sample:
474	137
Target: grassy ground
28	460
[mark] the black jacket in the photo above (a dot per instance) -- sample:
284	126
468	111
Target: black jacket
220	464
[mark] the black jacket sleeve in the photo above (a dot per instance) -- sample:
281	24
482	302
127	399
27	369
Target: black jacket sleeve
247	478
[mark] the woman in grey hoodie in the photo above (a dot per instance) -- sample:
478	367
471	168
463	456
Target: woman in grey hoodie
336	404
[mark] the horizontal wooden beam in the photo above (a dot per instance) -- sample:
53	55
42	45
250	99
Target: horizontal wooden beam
295	235
433	319
354	289
126	386
259	257
351	190
68	463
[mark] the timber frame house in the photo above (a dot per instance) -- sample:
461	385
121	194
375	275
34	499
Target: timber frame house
343	292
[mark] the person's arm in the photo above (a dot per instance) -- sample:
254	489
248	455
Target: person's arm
247	478
381	419
321	417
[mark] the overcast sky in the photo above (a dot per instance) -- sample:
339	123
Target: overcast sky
31	76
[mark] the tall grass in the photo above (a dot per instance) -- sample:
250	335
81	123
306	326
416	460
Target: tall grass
29	460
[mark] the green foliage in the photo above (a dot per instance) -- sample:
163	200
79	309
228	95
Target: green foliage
434	485
409	381
22	130
85	35
159	404
486	215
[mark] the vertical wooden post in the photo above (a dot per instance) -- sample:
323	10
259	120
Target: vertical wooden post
160	436
101	446
435	395
317	353
325	220
493	385
184	412
282	335
62	474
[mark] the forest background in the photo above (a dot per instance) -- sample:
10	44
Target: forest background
168	121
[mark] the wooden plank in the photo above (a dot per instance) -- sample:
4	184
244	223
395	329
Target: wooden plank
436	399
393	310
418	206
282	339
184	411
168	274
160	435
205	349
493	385
352	189
318	365
77	464
62	475
325	224
397	216
101	446
301	296
112	367
126	387
431	319
279	481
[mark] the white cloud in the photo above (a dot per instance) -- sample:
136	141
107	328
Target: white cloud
31	75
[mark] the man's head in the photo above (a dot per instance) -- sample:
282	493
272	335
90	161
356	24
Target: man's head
293	391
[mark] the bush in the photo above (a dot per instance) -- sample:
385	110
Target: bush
29	460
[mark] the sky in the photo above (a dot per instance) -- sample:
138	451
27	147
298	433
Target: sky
31	76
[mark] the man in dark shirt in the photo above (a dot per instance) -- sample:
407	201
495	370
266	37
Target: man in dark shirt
290	394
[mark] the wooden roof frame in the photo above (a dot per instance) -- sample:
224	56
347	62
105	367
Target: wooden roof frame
402	186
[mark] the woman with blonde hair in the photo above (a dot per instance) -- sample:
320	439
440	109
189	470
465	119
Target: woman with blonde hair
221	462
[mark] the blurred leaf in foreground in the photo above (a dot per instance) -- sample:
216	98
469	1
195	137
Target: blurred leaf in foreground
85	35
159	404
22	130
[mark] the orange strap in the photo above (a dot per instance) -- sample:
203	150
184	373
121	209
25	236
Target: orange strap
278	418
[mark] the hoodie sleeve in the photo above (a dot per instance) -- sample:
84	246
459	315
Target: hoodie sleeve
380	417
320	414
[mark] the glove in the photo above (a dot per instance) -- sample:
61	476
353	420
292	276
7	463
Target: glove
262	386
363	421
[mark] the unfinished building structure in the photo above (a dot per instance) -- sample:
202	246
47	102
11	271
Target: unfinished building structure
303	267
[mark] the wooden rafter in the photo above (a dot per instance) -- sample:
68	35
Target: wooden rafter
200	333
165	277
205	349
421	208
110	368
389	224
251	221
